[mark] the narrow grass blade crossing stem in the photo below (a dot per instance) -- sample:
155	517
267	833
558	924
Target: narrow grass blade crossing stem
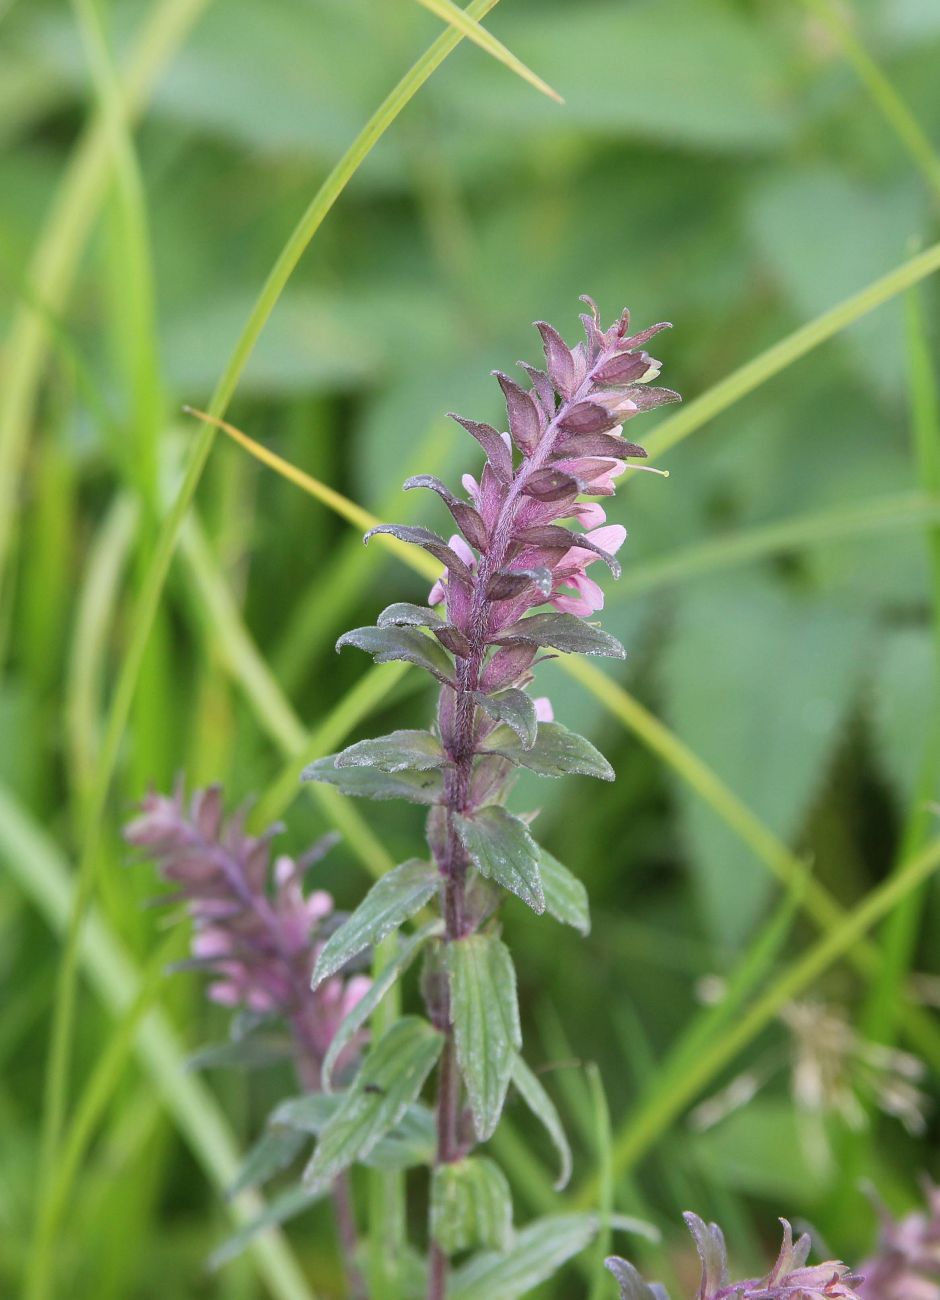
453	14
155	576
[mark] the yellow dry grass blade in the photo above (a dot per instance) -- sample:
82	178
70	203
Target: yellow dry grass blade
452	13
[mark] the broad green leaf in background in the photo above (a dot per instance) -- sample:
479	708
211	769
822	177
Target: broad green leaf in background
471	1205
485	1014
389	1080
735	642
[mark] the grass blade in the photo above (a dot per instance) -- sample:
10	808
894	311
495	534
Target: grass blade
453	14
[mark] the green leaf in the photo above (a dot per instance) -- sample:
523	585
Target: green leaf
556	752
273	1151
542	1107
564	632
372	783
513	707
411	1142
566	899
400	751
485	1014
392	971
539	1252
254	1052
404	614
388	643
471	1205
392	899
283	1207
502	849
389	1081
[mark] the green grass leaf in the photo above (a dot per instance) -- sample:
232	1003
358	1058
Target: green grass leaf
530	1089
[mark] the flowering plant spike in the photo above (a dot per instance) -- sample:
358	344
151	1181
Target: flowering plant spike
906	1265
517	551
789	1279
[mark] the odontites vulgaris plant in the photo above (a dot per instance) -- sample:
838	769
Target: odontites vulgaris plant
517	584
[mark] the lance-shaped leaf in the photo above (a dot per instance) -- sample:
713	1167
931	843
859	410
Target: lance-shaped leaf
392	899
644	336
558	358
513	707
400	751
626	368
389	1081
452	639
411	1142
564	632
598	444
471	1205
556	752
279	1210
566	899
525	420
467	519
710	1244
554	537
587	417
404	614
501	848
543	387
388	977
551	485
485	1012
543	1108
647	399
428	541
273	1151
497	453
510	582
539	1252
388	643
372	783
632	1286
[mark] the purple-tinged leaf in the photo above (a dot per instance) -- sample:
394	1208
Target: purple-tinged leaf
467	519
551	485
644	336
389	643
452	639
507	666
560	364
710	1244
597	444
632	1286
500	847
428	541
511	582
543	387
553	537
646	398
497	453
514	708
587	417
400	751
563	632
372	783
525	419
625	368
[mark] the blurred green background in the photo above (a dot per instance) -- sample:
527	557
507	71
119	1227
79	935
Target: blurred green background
717	164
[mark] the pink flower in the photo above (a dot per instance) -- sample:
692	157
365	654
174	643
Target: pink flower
569	572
